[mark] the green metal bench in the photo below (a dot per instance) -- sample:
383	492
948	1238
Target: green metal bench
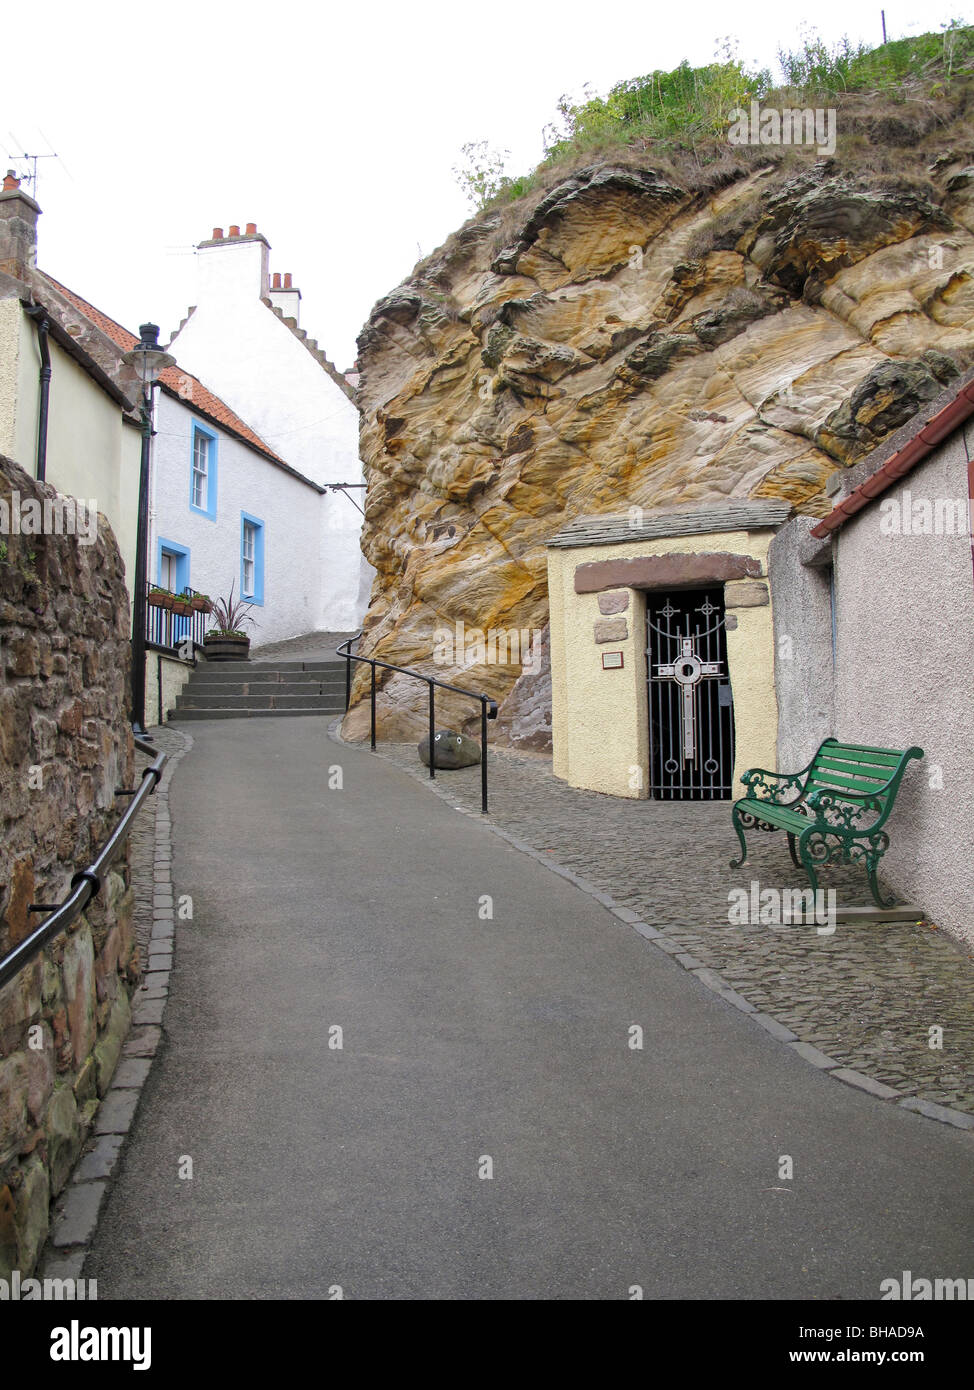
844	797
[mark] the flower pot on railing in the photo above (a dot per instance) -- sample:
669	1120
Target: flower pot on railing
182	607
201	604
160	598
226	646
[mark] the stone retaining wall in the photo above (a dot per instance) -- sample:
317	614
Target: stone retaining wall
65	746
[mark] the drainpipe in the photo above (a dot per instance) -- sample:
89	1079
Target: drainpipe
37	313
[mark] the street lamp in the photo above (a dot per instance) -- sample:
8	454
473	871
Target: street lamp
148	359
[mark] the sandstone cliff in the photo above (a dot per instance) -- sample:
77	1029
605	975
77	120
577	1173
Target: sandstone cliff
629	340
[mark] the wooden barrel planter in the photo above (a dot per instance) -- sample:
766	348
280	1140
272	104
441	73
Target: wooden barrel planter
221	646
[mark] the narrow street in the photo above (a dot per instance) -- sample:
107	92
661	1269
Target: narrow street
485	1008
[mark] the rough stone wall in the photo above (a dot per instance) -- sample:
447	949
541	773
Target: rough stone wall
630	341
65	746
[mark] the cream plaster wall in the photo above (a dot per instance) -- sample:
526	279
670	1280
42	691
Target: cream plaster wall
600	726
91	453
175	674
19	385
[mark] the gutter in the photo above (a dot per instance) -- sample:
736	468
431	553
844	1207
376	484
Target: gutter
39	315
923	443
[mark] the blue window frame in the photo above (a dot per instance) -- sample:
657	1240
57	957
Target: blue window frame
251	558
172	565
172	569
203	472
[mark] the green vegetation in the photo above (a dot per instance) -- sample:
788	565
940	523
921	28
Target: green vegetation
687	110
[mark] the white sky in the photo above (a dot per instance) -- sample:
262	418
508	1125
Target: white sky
333	127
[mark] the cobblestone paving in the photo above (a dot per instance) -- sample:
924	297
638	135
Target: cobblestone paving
142	842
867	995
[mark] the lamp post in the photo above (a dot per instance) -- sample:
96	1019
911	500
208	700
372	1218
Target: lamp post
148	359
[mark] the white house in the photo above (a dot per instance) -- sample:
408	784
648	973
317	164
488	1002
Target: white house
224	509
243	338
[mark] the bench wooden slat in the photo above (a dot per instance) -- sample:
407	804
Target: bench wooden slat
880	772
840	783
887	757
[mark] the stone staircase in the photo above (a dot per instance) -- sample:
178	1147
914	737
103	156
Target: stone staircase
249	689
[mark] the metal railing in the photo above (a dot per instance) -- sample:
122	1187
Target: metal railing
87	883
164	628
488	707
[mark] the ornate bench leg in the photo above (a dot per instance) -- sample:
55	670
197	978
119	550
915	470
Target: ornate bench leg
808	863
791	850
737	863
872	865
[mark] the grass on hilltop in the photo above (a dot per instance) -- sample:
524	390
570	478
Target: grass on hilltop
682	116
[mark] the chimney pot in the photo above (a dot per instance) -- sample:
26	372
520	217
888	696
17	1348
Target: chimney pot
251	228
277	280
10	181
217	233
287	280
234	231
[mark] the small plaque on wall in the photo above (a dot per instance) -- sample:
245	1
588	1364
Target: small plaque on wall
612	661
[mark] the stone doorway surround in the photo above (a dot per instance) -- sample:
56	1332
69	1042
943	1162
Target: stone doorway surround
599	571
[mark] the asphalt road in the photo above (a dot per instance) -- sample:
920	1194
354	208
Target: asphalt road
467	1037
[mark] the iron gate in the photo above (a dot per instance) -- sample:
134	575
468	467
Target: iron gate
691	712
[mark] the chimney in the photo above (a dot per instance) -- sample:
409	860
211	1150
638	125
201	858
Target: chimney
233	268
286	298
18	229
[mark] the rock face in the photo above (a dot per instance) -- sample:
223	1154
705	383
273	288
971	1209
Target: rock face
65	746
627	342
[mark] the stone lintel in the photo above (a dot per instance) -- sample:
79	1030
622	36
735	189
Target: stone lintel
665	571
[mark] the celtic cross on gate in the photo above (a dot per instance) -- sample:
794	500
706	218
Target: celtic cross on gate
688	670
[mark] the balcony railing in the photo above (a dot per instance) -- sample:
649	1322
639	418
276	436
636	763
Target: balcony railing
168	624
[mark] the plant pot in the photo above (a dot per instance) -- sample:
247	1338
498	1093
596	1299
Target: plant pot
160	601
217	646
200	604
182	607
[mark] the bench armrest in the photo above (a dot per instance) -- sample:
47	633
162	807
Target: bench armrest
764	785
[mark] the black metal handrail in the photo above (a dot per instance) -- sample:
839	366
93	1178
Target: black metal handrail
87	883
488	707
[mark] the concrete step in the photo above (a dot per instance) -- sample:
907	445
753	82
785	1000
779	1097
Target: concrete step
234	671
313	685
223	701
277	667
178	715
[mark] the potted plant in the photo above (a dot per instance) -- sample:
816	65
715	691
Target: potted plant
182	605
201	603
158	597
226	639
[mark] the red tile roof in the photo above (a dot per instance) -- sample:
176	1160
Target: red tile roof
177	382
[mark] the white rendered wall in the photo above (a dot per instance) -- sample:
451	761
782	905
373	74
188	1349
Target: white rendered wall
246	482
237	345
904	676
